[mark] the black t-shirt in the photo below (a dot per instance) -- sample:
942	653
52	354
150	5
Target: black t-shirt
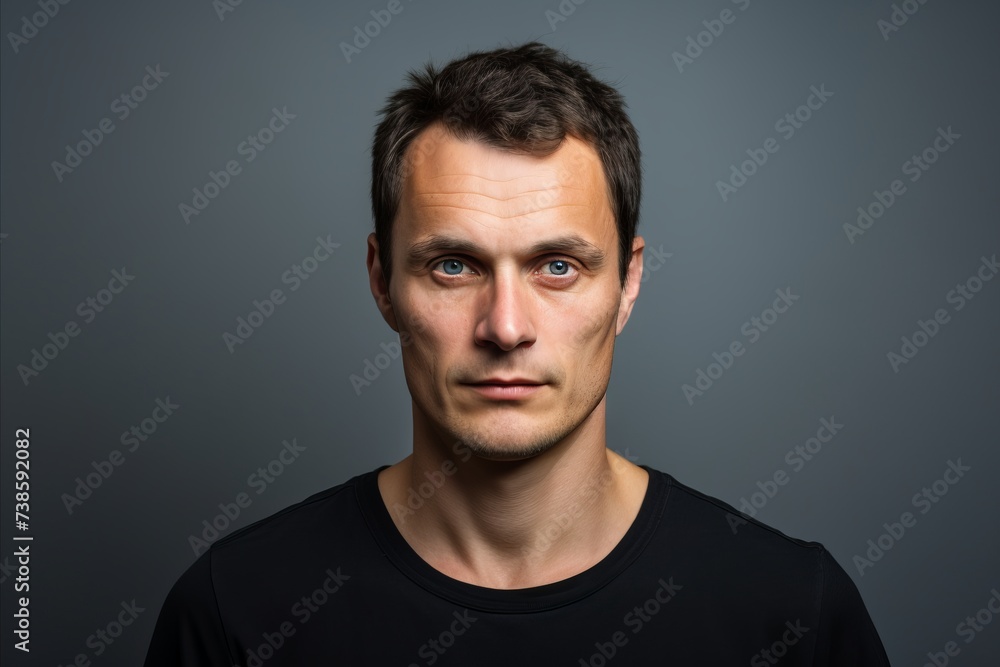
331	581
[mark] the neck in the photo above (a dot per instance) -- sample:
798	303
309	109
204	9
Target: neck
514	524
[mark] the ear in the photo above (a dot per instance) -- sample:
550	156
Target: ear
631	290
377	282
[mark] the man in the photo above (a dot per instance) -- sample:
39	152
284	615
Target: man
505	192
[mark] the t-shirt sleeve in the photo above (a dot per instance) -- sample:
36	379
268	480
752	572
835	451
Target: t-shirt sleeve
189	628
847	636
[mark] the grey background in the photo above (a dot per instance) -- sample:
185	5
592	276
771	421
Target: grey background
826	357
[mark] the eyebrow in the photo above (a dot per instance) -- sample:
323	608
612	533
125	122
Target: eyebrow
575	245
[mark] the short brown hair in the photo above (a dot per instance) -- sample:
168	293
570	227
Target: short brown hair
523	99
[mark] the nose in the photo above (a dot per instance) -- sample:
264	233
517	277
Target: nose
506	317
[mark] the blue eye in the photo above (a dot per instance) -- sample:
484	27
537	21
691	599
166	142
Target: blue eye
559	267
452	267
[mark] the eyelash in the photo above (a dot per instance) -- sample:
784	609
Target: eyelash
465	263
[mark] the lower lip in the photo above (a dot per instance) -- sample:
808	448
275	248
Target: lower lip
506	392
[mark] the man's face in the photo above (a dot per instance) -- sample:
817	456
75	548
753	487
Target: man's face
505	291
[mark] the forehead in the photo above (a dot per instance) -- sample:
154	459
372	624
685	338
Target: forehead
451	180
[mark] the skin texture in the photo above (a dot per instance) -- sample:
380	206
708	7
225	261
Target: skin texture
506	266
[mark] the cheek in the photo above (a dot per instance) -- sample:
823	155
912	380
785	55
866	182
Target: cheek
427	336
418	318
591	327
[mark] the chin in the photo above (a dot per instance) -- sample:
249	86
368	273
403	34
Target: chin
493	451
503	441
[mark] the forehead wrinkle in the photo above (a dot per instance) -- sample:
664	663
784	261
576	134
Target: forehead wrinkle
499	190
522	214
521	193
501	203
443	189
485	178
550	173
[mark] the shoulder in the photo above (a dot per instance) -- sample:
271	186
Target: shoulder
298	543
297	548
329	507
720	543
292	529
742	568
235	582
714	518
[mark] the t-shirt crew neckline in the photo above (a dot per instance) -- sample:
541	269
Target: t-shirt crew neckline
538	598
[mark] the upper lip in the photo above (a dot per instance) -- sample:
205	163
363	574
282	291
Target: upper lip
507	381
